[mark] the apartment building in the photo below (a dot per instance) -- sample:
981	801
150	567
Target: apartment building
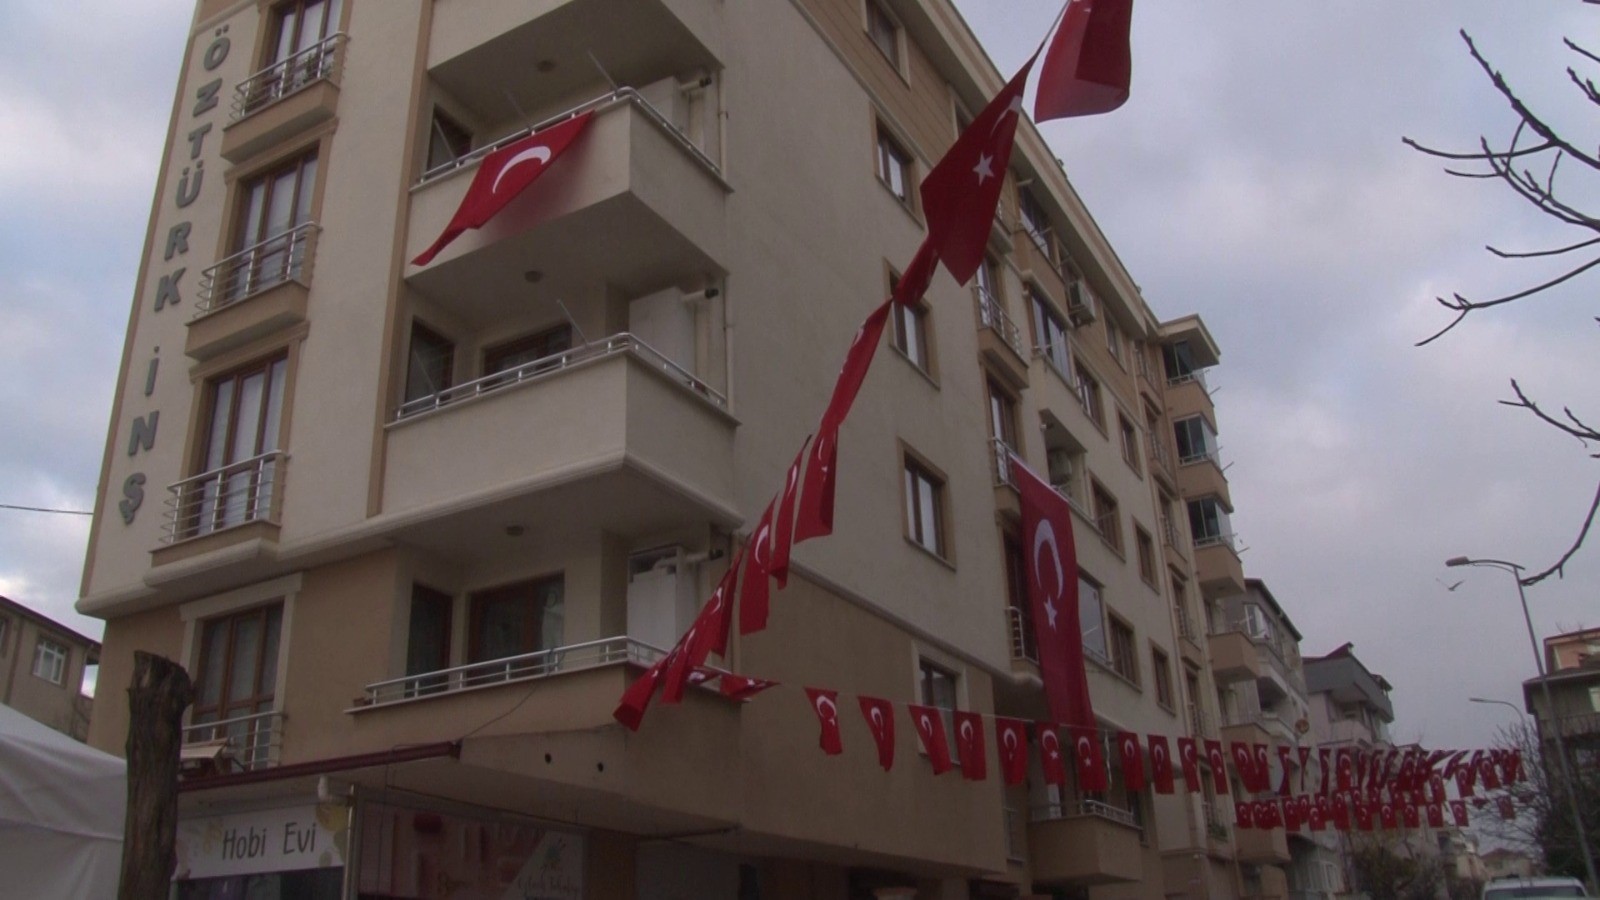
42	666
413	529
1572	673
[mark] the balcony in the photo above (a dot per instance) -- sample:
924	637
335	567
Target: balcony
257	291
1217	566
609	435
1191	639
1262	846
1171	537
526	667
1579	725
1201	475
1160	457
1006	498
1270	883
1093	844
1000	340
237	744
284	99
1217	832
1187	396
1200	723
633	207
1233	657
232	497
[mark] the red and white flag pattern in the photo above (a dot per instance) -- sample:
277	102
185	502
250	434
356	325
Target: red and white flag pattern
1088	67
1011	742
879	714
970	746
929	723
825	704
1052	561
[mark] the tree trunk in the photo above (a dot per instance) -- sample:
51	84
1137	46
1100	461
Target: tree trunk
157	697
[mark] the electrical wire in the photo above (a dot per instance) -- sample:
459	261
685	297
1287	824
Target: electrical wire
43	509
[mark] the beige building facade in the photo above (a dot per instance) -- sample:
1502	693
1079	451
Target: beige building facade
413	529
42	667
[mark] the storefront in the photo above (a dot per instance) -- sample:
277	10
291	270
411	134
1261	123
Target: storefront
275	853
427	854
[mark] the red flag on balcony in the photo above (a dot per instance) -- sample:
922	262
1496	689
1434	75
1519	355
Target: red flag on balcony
1189	759
1050	760
783	529
1160	764
1219	767
742	687
1284	765
915	279
1244	762
879	714
930	727
969	745
825	704
1132	760
1263	768
1244	814
1092	774
1458	812
1410	816
504	174
960	193
1051	558
1089	66
708	633
636	698
815	516
754	591
1011	741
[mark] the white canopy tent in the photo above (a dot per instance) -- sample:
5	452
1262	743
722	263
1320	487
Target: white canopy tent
61	813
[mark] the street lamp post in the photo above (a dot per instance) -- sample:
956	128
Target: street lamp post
1511	706
1549	705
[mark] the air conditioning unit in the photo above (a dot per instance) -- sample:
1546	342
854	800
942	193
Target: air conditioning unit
1058	463
1081	308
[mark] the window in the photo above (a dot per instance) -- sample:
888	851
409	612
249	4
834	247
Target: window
1123	659
988	281
1128	435
50	661
911	331
894	166
1114	342
924	493
300	24
1091	618
525	617
268	247
1089	395
1146	546
1196	440
244	410
936	686
1049	333
5	632
1178	359
528	349
1023	643
428	637
1106	519
1208	522
884	32
1002	413
448	140
1163	676
429	365
238	677
1034	221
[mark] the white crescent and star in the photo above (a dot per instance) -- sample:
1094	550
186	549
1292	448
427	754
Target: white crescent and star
876	715
966	730
762	541
1050	743
540	153
1083	748
1045	535
1009	739
925	724
832	713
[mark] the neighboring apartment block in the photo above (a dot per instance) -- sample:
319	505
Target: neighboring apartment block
42	665
1572	674
413	529
1350	707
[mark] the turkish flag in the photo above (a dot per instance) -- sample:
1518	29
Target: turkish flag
1132	761
1363	815
754	591
960	193
1454	764
1052	561
1458	812
1507	811
1244	763
1408	770
1244	814
1092	775
636	697
930	727
1435	815
504	174
1305	766
815	516
1325	767
1263	768
1466	780
1089	66
1346	769
880	721
1410	816
825	704
1387	816
1513	766
969	745
1011	740
1284	765
914	281
1491	778
1055	768
1291	816
742	687
1269	814
783	529
1340	812
1317	816
1219	770
1188	758
708	633
1161	763
1436	788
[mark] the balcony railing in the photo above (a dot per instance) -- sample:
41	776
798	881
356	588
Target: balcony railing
1159	452
242	742
544	367
1213	540
1169	532
1201	722
1576	725
525	667
245	491
315	63
992	315
283	257
1211	455
1000	463
1049	812
1198	376
1216	829
1019	624
1186	626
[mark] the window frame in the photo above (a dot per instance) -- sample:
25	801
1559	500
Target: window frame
447	362
892	162
270	641
1145	546
423	596
274	51
1088	389
1050	332
1122	648
307	169
875	19
1161	676
1128	437
458	144
499	358
1096	640
912	334
1114	342
212	511
528	591
1003	411
1104	506
915	472
51	656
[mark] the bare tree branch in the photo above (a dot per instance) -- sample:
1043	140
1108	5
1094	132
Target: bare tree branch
1534	122
1559	569
1489	154
1529	254
1580	51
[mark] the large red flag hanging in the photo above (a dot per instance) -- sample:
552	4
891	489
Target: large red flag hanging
708	632
754	591
1055	768
1089	66
825	704
1052	561
783	529
880	721
1189	759
1161	764
930	727
1219	768
503	175
1011	741
960	193
815	516
1092	774
969	745
1132	760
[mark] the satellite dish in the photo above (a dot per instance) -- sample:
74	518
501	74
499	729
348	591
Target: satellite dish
1301	726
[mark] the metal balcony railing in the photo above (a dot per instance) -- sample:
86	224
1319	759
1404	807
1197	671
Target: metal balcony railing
1216	829
1000	463
1198	376
1159	452
1212	540
243	742
525	667
992	315
245	491
1169	532
1019	624
1049	812
1201	722
286	256
317	62
1186	626
545	367
1211	455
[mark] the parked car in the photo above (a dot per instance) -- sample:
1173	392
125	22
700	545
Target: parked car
1533	889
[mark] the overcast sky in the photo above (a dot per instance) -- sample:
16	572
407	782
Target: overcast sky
1255	177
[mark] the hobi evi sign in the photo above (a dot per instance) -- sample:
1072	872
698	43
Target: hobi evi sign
268	840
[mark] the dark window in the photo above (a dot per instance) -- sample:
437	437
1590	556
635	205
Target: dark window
1147	555
448	140
1106	518
525	350
911	333
1050	333
238	669
1002	414
1129	437
884	32
1163	675
924	507
1023	642
1123	657
428	639
268	249
894	166
1091	618
244	410
428	367
1089	395
520	618
301	24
